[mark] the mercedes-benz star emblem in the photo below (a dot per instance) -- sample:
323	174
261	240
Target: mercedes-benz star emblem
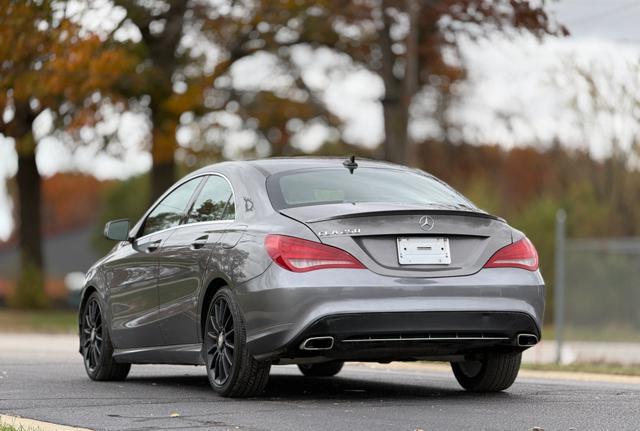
426	222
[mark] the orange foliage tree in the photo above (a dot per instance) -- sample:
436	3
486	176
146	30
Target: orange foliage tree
50	63
178	77
410	45
405	42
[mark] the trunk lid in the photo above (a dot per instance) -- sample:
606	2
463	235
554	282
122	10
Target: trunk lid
370	231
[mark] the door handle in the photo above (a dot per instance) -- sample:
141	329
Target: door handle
199	242
153	246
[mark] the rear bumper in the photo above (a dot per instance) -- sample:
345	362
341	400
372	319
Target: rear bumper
282	309
404	336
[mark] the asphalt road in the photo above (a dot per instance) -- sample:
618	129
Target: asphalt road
42	377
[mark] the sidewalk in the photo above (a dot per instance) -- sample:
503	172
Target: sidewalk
58	346
584	351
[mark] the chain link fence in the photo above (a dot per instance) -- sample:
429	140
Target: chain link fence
602	301
597	298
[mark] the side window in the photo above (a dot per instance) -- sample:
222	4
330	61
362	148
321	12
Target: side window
215	202
171	209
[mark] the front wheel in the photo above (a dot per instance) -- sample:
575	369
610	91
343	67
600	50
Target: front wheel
232	371
492	372
323	369
96	346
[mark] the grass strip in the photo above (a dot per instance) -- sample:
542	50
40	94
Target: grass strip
41	321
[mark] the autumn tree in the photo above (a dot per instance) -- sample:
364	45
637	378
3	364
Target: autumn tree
47	63
184	48
409	44
606	108
160	26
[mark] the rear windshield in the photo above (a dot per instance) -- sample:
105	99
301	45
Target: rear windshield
329	186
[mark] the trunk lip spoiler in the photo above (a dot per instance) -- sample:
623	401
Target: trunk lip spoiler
404	212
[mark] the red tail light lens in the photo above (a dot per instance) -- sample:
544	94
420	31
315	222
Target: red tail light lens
300	255
520	254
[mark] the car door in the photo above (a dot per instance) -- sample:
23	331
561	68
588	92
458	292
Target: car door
132	272
185	256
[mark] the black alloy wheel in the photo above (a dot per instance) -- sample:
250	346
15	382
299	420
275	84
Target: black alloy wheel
92	338
491	372
231	369
221	341
96	346
323	369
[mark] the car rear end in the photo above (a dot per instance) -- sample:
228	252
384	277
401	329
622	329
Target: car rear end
395	265
360	315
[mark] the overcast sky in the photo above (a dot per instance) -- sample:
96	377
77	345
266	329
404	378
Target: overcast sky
504	76
612	20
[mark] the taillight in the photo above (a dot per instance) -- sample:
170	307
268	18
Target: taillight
520	254
300	255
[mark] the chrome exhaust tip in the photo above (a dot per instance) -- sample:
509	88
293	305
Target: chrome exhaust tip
527	340
317	343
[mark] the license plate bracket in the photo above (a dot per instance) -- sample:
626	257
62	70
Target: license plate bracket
423	251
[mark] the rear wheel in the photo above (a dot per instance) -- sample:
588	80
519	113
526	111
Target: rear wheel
96	346
324	369
232	371
492	372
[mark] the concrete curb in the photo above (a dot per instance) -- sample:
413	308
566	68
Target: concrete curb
33	425
524	373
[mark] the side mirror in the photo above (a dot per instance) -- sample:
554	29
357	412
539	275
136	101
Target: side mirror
117	230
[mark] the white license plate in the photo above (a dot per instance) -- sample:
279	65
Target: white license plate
423	251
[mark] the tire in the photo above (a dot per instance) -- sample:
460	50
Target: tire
323	369
96	346
232	371
494	372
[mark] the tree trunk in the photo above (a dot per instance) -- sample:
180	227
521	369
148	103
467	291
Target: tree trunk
162	51
411	77
30	290
163	170
395	129
162	177
395	108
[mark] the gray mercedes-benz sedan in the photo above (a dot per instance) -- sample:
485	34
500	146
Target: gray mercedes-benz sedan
312	261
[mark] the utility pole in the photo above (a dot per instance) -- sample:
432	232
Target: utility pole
559	287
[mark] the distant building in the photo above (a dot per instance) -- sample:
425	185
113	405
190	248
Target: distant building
63	253
71	206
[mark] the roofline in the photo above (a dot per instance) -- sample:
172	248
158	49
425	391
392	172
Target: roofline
257	163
